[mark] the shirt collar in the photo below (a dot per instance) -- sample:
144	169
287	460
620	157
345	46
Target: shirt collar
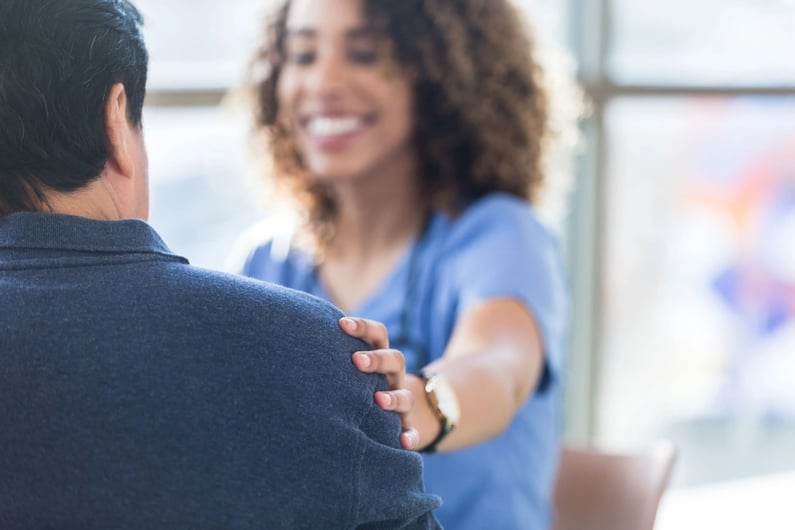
34	230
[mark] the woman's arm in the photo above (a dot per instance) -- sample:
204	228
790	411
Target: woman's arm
494	360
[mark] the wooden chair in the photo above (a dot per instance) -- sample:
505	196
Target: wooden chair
608	491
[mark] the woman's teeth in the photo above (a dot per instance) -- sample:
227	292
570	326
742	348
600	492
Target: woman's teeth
323	126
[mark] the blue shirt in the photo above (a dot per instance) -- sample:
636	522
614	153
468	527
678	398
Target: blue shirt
496	248
140	392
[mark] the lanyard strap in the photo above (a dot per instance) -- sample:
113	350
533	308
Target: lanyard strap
403	338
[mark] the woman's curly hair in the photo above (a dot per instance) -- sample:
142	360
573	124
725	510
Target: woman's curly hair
480	108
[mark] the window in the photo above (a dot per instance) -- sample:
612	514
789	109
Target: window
203	183
692	209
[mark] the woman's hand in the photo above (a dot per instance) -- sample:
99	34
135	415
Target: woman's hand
389	362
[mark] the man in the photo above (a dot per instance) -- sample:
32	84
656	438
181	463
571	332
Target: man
137	391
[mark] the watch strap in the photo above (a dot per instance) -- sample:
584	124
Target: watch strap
446	426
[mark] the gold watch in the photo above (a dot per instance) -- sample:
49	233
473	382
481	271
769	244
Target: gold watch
444	404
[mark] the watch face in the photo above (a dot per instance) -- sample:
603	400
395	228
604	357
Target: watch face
446	399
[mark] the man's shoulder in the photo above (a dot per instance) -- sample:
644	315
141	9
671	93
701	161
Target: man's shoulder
254	311
235	287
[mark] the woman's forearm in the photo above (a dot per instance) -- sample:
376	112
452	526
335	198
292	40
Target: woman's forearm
493	362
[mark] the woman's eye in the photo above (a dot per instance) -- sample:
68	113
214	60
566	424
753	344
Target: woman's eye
363	56
301	58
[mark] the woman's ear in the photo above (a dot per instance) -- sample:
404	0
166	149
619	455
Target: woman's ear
118	131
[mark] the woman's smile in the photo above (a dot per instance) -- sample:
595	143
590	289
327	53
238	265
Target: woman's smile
335	130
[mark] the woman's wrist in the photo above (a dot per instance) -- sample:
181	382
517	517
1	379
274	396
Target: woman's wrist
423	416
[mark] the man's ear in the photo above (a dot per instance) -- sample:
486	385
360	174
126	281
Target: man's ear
118	131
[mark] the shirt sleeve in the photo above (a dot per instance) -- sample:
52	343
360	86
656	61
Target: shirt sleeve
374	482
389	486
497	249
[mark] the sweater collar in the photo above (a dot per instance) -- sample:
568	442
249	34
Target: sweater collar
34	230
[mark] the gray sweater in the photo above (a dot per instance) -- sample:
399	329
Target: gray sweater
137	391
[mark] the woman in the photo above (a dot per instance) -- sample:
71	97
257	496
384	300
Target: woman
411	134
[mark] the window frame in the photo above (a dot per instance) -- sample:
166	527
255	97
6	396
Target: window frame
590	37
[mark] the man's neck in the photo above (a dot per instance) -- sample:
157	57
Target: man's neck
93	201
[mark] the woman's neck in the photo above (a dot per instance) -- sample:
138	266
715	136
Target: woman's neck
371	229
378	214
378	219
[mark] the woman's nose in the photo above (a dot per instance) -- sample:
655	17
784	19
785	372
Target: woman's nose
327	76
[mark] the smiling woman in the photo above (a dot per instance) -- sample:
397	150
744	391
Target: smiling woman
411	135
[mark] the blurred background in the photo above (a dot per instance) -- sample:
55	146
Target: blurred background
679	233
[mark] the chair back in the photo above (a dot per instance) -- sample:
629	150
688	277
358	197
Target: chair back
596	490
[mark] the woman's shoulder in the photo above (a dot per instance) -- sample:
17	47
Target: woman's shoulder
267	244
498	215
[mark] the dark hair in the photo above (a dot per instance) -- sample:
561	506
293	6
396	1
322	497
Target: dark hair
58	62
480	108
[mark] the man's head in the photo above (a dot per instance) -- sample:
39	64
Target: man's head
72	84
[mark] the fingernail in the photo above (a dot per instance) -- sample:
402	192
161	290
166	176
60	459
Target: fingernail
413	442
350	323
364	360
415	439
387	400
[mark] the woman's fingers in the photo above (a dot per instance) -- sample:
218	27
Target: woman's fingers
388	362
410	439
401	401
370	331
